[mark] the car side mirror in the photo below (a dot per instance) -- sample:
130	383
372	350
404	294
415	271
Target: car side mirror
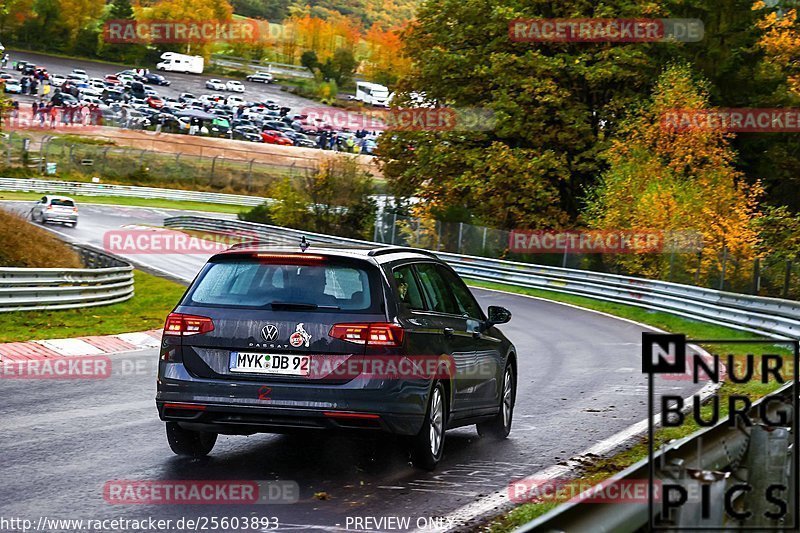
498	315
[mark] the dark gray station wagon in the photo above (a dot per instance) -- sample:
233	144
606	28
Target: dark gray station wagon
383	339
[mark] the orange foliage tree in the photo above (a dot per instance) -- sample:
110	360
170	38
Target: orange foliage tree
677	179
780	41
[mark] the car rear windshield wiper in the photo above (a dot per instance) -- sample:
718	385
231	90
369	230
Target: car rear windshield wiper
301	305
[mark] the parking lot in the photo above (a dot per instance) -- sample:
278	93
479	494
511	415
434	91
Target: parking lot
271	123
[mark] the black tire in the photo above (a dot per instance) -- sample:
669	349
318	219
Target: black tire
428	446
500	426
189	443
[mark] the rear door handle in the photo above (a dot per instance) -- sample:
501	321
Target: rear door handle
449	332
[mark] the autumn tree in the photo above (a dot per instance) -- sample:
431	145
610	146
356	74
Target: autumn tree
183	10
676	179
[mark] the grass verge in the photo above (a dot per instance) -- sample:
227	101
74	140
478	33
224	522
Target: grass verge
142	202
154	299
596	471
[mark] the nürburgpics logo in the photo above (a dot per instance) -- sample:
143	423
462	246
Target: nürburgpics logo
748	485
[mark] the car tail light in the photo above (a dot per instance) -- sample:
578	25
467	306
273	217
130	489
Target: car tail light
180	324
74	209
370	334
49	207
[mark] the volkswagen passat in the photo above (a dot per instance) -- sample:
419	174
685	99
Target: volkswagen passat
385	339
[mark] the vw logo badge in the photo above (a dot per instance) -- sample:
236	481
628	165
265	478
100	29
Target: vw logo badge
269	332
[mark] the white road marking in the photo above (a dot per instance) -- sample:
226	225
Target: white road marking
70	347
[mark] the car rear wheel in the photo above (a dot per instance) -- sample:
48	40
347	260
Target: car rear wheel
500	426
189	443
428	445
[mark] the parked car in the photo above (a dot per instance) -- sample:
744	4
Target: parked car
55	209
187	97
234	86
215	85
263	319
12	86
247	133
261	77
80	74
113	95
57	80
155	102
275	137
61	98
156	79
219	127
112	79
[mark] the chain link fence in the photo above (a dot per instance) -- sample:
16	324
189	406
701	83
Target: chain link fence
773	275
82	161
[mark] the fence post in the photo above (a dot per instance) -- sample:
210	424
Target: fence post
724	267
756	275
71	162
250	176
460	233
787	278
394	226
564	257
671	265
439	225
105	161
45	146
213	165
483	246
699	265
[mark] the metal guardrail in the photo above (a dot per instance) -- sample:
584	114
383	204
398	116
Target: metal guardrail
772	317
108	280
97	189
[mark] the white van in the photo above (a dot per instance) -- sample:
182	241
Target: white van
174	62
372	93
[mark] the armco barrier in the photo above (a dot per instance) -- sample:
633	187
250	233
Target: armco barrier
772	317
108	281
97	189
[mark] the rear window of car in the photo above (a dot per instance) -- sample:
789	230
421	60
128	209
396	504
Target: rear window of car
64	203
250	283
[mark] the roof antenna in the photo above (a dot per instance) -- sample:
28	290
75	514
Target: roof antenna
304	244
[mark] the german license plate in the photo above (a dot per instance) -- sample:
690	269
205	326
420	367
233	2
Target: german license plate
270	363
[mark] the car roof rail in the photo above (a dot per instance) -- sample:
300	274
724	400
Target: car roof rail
384	250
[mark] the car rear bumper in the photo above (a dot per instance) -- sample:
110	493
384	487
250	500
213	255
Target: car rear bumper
238	406
60	218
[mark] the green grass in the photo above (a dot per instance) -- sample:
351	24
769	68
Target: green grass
128	201
600	469
153	300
